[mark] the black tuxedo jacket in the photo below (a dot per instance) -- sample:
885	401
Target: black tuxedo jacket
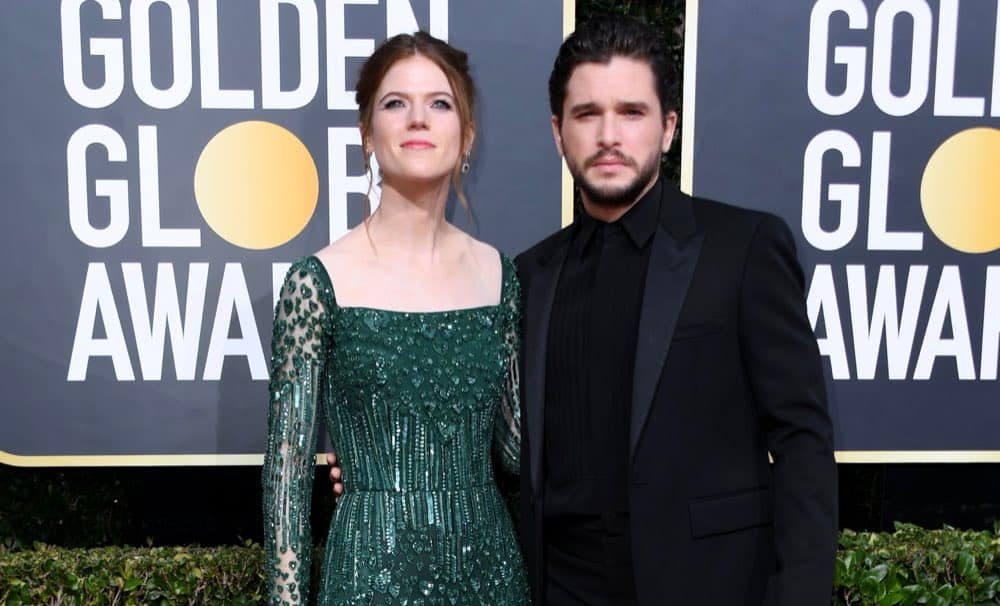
726	371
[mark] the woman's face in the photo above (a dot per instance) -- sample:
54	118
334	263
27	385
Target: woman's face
416	133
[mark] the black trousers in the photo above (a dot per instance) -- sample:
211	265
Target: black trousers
588	561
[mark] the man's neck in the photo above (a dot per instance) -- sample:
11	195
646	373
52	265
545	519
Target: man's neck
610	214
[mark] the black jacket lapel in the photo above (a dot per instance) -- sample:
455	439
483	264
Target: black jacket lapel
672	262
538	309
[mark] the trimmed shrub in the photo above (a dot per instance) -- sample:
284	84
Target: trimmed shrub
917	566
130	575
946	567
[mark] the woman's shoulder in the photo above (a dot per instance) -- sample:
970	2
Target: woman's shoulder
349	248
346	260
501	268
316	271
306	280
491	260
483	253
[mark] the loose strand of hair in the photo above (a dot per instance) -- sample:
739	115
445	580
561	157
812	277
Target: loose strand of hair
368	212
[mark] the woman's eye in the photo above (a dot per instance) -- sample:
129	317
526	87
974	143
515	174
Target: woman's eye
440	104
392	104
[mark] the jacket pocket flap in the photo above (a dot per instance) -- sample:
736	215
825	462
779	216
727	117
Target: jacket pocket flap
729	513
693	330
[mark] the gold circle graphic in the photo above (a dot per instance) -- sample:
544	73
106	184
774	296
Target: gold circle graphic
960	191
256	185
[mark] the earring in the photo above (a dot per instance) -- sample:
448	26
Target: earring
465	163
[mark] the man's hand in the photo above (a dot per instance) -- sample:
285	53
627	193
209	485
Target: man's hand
335	482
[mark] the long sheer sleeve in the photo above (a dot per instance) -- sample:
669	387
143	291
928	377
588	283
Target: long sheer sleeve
297	363
507	427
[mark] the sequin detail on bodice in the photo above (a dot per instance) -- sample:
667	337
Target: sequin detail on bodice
415	404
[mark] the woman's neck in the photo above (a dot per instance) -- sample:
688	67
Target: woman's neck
410	221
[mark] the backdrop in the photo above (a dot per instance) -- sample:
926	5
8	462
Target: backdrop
140	269
871	127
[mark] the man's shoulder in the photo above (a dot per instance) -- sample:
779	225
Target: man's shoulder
726	213
541	250
733	219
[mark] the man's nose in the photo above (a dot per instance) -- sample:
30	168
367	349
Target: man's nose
609	133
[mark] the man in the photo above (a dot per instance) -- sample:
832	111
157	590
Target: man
666	353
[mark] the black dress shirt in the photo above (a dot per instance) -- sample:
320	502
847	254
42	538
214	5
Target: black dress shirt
590	360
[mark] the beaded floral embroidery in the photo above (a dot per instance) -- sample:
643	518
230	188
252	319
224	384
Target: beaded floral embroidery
414	404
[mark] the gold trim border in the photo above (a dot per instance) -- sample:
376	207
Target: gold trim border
250	460
566	212
917	456
148	460
687	111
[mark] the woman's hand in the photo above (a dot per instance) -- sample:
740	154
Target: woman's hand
336	484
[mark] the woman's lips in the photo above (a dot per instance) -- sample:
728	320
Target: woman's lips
417	144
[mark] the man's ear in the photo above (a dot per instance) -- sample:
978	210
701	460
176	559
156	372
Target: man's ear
556	134
669	130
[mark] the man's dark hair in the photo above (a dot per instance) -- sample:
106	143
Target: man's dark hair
602	38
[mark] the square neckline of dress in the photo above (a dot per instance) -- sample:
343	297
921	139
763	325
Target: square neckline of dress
325	276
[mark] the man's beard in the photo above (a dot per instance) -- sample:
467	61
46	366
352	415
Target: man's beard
614	197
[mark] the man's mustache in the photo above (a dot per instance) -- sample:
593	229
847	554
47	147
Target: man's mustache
609	155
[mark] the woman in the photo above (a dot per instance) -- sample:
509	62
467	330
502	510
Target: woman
402	337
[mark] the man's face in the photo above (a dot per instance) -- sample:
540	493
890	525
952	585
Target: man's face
613	130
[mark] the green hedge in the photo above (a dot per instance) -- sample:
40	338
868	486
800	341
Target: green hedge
132	575
910	566
916	566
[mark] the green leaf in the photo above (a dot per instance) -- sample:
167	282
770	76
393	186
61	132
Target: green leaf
891	598
880	572
966	564
946	592
869	587
936	600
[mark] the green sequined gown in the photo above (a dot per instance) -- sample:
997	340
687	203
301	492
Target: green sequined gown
414	404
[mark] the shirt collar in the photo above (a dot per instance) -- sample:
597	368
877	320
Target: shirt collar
639	222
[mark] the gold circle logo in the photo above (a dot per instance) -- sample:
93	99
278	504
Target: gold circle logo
256	185
960	191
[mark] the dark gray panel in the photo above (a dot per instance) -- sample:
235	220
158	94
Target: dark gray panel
754	121
514	189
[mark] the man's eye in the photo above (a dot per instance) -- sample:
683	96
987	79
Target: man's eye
441	104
